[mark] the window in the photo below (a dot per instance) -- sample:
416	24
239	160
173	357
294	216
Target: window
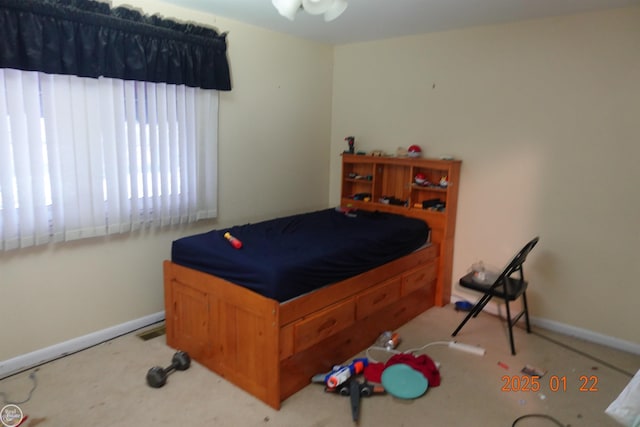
82	157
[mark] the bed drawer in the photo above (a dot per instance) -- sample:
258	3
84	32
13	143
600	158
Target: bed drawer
418	278
323	324
373	300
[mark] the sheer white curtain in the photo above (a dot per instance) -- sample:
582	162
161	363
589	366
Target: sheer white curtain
83	157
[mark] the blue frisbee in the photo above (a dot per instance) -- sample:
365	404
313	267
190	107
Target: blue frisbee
404	382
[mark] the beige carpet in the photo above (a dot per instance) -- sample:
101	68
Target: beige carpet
105	385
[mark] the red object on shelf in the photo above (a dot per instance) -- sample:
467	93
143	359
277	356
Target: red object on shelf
414	151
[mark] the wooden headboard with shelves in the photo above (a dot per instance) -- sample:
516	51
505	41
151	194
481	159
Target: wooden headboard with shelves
389	184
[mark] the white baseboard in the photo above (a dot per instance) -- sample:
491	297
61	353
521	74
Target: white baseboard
47	354
563	328
587	335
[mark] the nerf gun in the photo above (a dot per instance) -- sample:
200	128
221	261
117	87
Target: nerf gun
356	390
340	374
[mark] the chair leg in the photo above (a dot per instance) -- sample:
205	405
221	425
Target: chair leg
477	308
526	312
480	305
509	324
466	319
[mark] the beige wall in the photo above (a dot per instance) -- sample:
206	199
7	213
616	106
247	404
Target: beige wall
274	131
545	116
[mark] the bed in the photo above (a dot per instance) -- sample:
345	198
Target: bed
305	292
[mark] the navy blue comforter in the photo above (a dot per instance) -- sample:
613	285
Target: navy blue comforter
289	256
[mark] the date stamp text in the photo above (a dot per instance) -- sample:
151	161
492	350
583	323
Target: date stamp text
556	383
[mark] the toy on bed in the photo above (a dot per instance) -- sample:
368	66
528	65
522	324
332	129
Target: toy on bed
232	240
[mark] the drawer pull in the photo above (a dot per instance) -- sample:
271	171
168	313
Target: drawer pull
326	325
380	299
400	312
421	277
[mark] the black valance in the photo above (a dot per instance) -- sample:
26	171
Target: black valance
88	38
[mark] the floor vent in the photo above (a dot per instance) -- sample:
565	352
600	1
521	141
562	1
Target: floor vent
152	333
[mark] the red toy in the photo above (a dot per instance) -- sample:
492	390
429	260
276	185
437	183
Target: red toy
234	242
414	151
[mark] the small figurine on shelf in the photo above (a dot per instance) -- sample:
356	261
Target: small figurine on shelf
444	182
351	141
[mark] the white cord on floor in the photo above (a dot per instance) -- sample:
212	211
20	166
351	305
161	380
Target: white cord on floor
392	351
6	401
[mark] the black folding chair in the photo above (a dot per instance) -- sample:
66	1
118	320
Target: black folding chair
508	286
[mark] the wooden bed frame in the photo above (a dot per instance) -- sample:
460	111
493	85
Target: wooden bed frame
271	349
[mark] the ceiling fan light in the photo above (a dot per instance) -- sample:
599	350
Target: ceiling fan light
335	10
316	7
287	8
